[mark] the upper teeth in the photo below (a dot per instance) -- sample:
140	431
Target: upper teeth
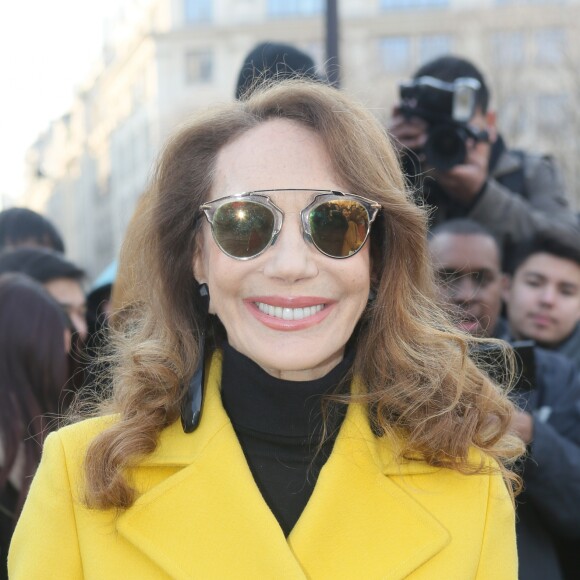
289	313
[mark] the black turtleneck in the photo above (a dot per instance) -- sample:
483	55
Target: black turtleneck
279	426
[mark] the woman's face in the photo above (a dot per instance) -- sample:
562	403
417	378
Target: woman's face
292	273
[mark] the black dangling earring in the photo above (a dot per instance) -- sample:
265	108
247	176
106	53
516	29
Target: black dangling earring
192	403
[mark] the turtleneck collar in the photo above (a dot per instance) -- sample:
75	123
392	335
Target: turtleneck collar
264	404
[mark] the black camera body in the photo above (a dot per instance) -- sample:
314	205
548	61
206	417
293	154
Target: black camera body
525	361
447	108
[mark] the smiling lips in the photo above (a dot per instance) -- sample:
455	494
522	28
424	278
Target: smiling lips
541	320
282	313
469	326
289	313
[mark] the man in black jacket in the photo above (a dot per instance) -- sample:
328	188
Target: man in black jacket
467	261
460	164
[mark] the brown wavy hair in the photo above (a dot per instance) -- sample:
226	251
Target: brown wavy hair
420	380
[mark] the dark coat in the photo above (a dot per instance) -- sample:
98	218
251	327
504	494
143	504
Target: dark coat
570	348
524	193
548	512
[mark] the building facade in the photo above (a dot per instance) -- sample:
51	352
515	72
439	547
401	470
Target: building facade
165	59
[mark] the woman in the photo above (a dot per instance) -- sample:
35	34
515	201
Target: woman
254	202
34	339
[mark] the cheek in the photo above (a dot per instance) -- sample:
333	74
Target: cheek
523	296
358	279
222	282
571	305
226	279
493	297
67	340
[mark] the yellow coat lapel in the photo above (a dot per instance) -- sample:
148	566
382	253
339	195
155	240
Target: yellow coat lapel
359	519
208	520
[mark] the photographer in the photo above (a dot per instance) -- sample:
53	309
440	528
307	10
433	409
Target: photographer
460	164
467	260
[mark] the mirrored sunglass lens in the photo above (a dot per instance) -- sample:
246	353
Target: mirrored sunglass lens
243	228
339	228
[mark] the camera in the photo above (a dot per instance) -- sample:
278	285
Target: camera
491	357
447	108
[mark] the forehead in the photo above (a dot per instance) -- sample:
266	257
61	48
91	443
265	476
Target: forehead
552	267
464	252
275	154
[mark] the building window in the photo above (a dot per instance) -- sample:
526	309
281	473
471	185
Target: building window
435	45
552	111
508	48
286	8
395	54
198	11
508	2
513	115
198	66
550	46
413	4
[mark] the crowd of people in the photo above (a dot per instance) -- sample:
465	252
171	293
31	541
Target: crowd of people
44	331
281	398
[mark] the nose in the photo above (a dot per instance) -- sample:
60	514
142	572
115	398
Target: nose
291	258
463	290
548	295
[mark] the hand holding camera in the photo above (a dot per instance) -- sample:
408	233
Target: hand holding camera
409	133
464	181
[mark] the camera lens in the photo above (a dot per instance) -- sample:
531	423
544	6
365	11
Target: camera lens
445	146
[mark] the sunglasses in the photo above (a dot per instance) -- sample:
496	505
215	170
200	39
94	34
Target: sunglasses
245	225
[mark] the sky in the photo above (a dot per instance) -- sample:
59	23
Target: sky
47	49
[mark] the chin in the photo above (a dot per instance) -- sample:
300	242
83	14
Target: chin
285	360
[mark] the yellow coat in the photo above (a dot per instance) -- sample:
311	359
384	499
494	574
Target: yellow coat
200	514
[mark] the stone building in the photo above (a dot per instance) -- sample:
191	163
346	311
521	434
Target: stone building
165	59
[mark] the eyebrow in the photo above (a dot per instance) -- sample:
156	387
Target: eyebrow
535	274
459	272
543	277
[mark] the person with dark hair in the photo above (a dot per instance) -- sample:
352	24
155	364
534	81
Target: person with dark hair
20	226
468	269
61	278
467	262
273	60
287	400
460	165
99	310
99	307
34	339
543	292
